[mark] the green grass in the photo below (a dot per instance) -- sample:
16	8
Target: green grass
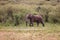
49	28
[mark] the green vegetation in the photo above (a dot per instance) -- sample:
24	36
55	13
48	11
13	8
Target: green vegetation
49	28
10	9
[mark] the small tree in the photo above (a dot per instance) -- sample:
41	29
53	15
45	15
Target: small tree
16	20
46	17
38	8
10	13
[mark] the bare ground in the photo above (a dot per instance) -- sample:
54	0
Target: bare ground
29	35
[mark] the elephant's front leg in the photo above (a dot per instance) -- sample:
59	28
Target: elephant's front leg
31	24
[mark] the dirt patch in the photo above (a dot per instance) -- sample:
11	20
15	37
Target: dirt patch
28	35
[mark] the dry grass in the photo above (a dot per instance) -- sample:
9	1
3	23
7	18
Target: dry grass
29	35
49	32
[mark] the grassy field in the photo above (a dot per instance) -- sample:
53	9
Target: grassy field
48	27
49	32
8	31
